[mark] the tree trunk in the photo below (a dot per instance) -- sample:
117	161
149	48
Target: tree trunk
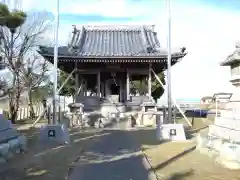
13	101
12	113
30	103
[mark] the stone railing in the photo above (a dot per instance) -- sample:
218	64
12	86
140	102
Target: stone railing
24	112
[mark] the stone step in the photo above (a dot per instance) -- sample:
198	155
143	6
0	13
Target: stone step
228	123
224	133
230	114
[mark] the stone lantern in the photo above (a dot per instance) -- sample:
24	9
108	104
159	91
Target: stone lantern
233	61
76	109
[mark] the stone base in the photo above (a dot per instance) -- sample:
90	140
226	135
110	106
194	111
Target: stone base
55	132
12	147
109	108
173	132
228	154
146	120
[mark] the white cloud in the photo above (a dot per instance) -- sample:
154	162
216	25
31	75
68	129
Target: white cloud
209	34
116	8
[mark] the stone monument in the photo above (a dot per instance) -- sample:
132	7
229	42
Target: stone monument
168	131
55	132
11	141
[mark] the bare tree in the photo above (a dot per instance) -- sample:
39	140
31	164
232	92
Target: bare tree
34	73
20	37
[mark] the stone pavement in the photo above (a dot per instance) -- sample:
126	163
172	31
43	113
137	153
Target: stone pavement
115	157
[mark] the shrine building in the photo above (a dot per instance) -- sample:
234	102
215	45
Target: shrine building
106	59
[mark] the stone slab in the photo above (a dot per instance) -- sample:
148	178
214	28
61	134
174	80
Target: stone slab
4	123
7	135
7	132
173	132
230	155
228	123
54	132
224	133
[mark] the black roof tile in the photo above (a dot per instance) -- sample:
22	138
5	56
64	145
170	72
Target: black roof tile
104	41
232	58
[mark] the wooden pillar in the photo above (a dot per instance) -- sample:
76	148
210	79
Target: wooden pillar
85	89
127	86
106	88
121	93
76	81
102	90
76	85
99	84
150	81
141	88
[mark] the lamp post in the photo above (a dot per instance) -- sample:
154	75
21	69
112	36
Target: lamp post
55	65
169	90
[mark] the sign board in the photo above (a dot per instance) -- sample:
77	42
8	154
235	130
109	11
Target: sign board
51	133
55	132
173	132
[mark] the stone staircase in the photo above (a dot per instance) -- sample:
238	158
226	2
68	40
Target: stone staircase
108	109
135	102
98	109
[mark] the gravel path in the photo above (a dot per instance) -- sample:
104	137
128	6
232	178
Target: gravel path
43	162
114	157
106	154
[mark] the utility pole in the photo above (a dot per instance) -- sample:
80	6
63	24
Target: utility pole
169	88
55	65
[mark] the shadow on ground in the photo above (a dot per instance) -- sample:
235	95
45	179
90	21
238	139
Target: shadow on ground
116	156
181	175
94	153
48	161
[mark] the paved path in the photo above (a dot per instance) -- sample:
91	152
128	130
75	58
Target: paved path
115	157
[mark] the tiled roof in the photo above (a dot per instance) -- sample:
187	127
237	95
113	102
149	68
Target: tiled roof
232	58
116	41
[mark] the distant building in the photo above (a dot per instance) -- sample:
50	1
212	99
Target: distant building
207	100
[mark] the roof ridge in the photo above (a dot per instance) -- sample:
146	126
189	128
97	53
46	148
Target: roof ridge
145	39
77	38
119	27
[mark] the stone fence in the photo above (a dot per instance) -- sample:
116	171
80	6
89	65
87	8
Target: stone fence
24	112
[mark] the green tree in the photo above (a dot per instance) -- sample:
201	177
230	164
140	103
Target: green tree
141	87
69	88
41	92
157	89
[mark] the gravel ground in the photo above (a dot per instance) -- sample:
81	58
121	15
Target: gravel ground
43	162
93	154
189	166
115	157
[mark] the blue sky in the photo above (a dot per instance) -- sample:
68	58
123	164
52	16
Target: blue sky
209	29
